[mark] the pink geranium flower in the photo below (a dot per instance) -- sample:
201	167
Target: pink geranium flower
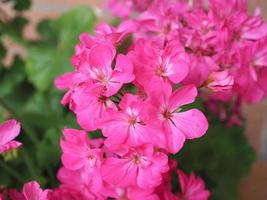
164	111
100	70
90	105
220	81
30	191
142	167
116	35
76	184
192	187
78	154
66	192
156	64
8	131
126	126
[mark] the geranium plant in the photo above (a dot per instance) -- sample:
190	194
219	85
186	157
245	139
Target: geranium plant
146	90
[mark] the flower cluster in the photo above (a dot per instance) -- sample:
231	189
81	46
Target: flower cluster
136	100
134	96
226	48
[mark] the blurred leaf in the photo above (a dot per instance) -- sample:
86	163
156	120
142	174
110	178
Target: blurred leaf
19	23
20	5
48	152
10	77
2	51
45	63
47	33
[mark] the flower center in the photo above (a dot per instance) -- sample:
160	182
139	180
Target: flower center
136	159
160	71
91	160
167	114
133	116
102	99
99	76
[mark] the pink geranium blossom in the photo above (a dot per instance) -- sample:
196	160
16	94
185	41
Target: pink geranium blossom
156	64
220	81
164	112
192	187
30	191
142	167
90	105
126	126
8	131
78	154
76	184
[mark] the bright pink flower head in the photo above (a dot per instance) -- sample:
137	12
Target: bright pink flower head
126	126
164	111
126	8
78	154
200	69
160	22
99	69
120	8
156	64
251	76
8	131
116	35
76	183
192	187
30	191
220	81
90	105
142	167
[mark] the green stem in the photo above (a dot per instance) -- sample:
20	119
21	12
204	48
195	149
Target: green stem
11	171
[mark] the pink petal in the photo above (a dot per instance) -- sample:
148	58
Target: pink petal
160	94
180	71
183	180
123	71
8	131
64	81
72	162
174	138
9	146
192	123
120	172
32	191
184	95
101	56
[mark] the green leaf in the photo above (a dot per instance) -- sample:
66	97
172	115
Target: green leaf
19	23
46	62
2	51
48	154
47	33
21	5
10	77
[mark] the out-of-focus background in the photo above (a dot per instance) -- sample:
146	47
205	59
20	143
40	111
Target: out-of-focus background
253	186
